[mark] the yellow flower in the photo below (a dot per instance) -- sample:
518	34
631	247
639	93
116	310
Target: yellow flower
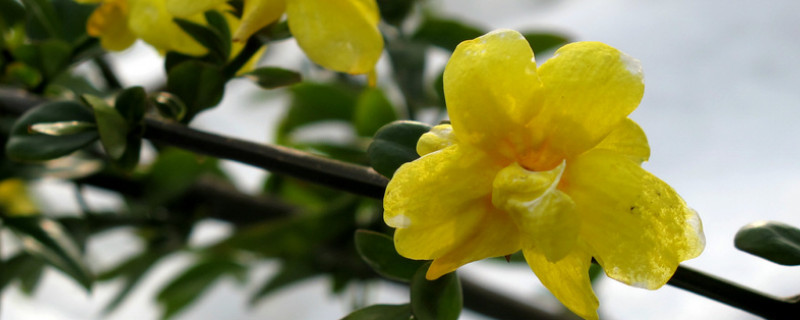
14	198
544	160
341	35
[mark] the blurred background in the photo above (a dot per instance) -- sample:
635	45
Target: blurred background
720	109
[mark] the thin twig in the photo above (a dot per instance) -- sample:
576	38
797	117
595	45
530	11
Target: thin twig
365	181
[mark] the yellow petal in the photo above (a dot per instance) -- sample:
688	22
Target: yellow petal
545	215
151	22
627	139
567	279
440	137
489	85
258	14
14	198
341	35
640	229
495	235
188	8
109	22
436	201
590	88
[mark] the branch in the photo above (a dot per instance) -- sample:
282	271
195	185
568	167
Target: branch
365	181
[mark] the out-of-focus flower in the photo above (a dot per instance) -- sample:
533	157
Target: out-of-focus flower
341	35
118	23
14	199
544	160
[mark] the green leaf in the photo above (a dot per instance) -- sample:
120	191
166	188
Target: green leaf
11	13
207	37
382	312
187	287
131	271
541	42
771	240
131	103
173	173
42	22
50	57
313	102
439	299
47	239
30	146
21	73
199	85
72	17
111	125
446	33
373	111
395	11
218	23
24	267
62	128
273	77
378	251
291	271
395	144
169	106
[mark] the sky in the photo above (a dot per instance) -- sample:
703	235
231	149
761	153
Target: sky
720	110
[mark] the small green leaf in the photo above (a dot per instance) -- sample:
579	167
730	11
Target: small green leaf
446	33
373	111
291	271
187	287
31	146
199	85
541	42
382	312
771	240
131	103
131	271
173	173
439	299
314	102
207	37
395	144
62	128
218	23
47	239
273	77
24	267
378	251
23	74
111	125
169	106
50	57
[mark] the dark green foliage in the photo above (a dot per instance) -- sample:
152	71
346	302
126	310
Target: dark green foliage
372	112
394	145
48	240
438	299
187	287
378	251
273	77
31	146
446	33
312	102
199	85
382	312
771	240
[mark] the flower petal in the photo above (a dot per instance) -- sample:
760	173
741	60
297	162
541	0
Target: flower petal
440	137
187	8
638	228
341	35
109	22
545	215
489	85
568	280
151	22
495	235
258	14
590	88
627	139
437	201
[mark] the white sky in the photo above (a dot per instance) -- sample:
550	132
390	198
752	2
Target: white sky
720	110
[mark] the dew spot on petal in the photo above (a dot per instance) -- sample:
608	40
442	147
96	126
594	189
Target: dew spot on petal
632	65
